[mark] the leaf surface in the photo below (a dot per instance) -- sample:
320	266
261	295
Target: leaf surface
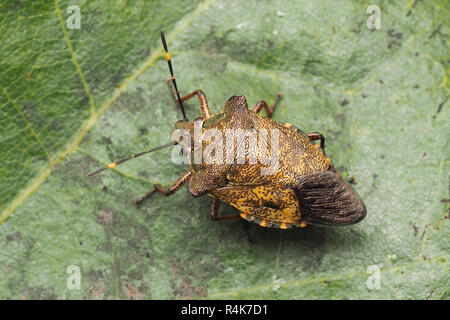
74	100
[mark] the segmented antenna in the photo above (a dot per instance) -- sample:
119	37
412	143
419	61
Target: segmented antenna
135	155
169	62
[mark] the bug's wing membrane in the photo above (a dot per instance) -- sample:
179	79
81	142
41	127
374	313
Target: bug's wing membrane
326	199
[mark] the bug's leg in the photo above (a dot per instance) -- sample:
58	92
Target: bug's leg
262	104
215	209
317	136
171	190
213	215
245	228
206	113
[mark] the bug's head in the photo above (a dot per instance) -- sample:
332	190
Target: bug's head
236	101
236	105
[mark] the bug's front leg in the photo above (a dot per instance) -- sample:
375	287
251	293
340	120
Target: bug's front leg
269	110
206	113
171	190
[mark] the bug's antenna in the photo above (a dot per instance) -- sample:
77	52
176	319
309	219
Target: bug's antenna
163	39
135	155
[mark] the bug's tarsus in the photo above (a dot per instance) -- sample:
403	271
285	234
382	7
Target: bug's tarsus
185	177
278	98
135	155
169	62
263	105
317	136
138	201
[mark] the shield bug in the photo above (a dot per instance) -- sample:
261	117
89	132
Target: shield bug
301	187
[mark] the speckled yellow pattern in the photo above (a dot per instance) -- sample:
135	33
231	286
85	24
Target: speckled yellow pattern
265	202
269	200
297	157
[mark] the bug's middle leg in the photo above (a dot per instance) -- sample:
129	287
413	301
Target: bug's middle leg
171	190
269	110
206	113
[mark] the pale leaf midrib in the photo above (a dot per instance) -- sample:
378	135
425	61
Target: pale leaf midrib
74	58
95	115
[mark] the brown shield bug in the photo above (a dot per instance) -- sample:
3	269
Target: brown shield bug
302	186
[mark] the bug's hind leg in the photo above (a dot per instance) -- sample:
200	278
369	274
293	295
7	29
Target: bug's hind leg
213	215
206	113
171	190
245	228
215	209
317	136
313	136
269	110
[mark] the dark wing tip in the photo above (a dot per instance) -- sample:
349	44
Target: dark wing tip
326	199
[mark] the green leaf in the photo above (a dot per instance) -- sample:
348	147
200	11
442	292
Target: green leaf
74	100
